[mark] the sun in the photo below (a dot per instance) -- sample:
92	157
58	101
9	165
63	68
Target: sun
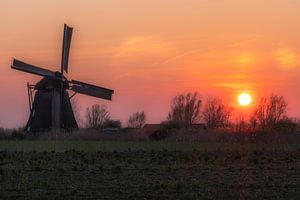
244	99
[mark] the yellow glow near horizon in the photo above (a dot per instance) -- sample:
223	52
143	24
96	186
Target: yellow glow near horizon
244	99
245	58
286	58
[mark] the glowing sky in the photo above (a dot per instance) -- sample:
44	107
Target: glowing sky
149	51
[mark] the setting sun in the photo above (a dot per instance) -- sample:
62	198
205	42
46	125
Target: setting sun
244	99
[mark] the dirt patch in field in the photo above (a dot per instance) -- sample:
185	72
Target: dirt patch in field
257	174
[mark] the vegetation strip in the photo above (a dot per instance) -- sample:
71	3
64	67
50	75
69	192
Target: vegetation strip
108	146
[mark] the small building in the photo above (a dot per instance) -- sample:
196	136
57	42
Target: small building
150	128
110	130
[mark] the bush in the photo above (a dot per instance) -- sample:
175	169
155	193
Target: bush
158	135
12	134
286	125
171	125
17	135
166	128
109	123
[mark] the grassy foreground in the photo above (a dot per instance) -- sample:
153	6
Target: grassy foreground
108	146
148	170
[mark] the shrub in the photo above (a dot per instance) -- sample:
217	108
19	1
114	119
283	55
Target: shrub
109	123
17	135
166	128
158	135
286	125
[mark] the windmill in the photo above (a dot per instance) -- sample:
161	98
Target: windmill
51	109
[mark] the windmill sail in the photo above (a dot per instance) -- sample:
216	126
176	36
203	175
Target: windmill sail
51	108
66	48
91	90
22	66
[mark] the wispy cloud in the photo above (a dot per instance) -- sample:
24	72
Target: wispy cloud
235	85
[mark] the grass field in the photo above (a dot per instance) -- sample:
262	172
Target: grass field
148	170
108	146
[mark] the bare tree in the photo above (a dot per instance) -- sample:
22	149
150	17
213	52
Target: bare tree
185	109
215	113
253	122
137	120
240	123
270	111
96	116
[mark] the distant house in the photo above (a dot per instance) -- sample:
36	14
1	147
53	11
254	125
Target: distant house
150	128
110	130
156	127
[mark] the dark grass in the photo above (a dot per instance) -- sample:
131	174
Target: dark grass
148	170
61	145
272	174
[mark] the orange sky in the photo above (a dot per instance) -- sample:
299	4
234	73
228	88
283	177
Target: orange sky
149	51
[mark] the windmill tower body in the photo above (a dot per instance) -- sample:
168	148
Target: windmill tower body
45	112
51	108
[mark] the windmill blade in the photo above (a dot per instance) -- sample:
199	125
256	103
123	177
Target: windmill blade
22	66
91	90
66	47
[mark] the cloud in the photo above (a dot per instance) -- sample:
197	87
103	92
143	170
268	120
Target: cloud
286	58
141	57
245	58
144	43
236	85
142	51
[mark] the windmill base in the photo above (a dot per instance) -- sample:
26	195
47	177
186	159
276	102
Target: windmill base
41	116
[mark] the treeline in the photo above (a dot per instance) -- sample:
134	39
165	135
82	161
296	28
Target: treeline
189	112
189	109
270	113
268	120
98	117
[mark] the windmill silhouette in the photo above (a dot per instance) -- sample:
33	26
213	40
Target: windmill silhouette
51	109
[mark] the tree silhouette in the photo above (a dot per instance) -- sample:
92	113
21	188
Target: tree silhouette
137	120
215	113
96	116
185	109
270	111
